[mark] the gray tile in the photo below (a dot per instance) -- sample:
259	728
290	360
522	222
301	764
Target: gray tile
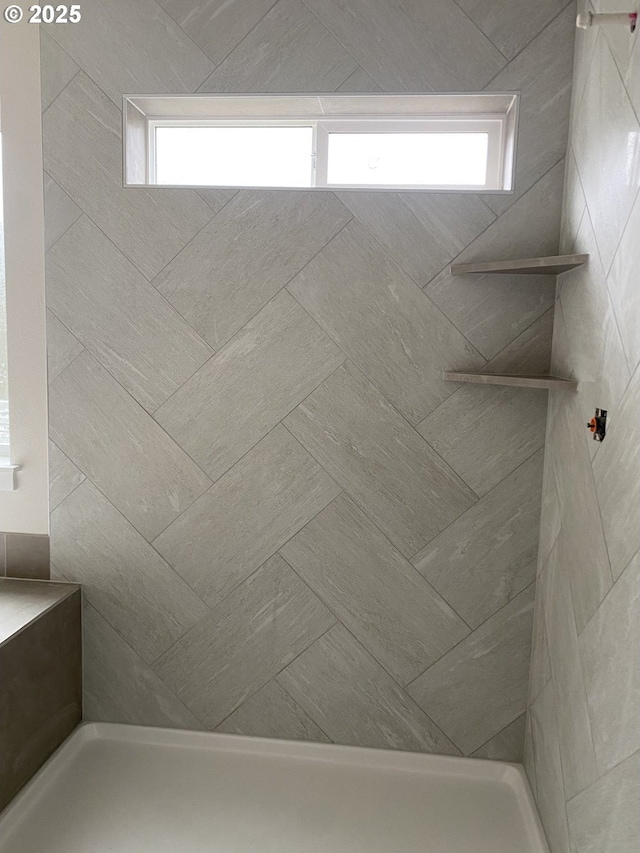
594	346
510	26
62	347
358	82
581	541
246	255
412	46
605	818
24	602
620	44
122	576
549	784
488	555
217	26
492	310
486	432
573	205
540	666
616	476
550	514
115	443
584	48
632	77
394	476
119	317
64	476
383	322
530	352
507	745
605	123
83	154
60	212
374	592
216	197
107	46
528	229
56	68
249	386
610	652
289	50
528	758
354	700
41	698
27	555
622	285
422	232
542	74
247	639
120	688
480	686
272	713
576	743
246	516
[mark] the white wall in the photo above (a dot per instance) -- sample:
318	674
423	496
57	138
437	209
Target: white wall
26	509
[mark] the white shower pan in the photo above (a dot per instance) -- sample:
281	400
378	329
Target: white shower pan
128	789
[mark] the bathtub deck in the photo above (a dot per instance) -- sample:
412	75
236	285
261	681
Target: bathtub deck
140	790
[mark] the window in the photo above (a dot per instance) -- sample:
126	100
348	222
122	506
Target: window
411	142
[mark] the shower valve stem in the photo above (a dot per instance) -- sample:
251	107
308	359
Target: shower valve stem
593	19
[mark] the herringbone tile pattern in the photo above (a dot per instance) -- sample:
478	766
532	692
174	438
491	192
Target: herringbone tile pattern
285	522
582	748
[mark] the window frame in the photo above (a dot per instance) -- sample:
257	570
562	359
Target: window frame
494	113
493	125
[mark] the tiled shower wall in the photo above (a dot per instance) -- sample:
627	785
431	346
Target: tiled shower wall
583	730
285	522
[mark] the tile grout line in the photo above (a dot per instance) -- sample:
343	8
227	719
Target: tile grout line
486	494
339	41
274	678
488	740
480	30
246	453
482	624
138	406
395	547
226	343
145	540
147	666
173	310
362	646
528	44
421	288
237	45
330	608
397	411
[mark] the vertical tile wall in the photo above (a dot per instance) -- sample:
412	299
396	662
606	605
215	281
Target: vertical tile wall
285	522
583	728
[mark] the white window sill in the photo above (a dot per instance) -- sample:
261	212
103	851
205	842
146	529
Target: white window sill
8	476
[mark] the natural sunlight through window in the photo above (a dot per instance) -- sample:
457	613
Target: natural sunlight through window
392	159
234	156
459	142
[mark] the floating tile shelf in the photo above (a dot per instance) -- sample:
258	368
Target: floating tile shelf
553	265
516	380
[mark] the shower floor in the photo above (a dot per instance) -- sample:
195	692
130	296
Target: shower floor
141	790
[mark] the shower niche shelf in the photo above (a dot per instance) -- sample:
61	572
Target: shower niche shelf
515	380
552	265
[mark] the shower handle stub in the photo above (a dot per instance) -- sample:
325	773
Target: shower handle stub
594	19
